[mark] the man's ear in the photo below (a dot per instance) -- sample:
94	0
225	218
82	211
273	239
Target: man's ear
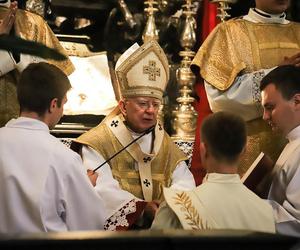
122	106
203	151
296	99
53	105
243	152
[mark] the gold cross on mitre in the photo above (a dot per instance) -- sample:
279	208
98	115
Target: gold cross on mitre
151	70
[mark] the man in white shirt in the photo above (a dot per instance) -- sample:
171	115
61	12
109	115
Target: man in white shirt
44	186
221	201
236	56
280	91
132	181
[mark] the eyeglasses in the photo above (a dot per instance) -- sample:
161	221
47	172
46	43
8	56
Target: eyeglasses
145	105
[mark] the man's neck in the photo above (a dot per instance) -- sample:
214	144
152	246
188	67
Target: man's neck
33	115
294	133
256	15
221	167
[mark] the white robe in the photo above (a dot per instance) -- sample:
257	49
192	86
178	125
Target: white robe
44	186
284	193
109	188
242	97
220	202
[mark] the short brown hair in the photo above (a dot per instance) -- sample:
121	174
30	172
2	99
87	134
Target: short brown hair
225	135
39	84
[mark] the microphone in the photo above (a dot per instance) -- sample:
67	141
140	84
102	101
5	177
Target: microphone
149	130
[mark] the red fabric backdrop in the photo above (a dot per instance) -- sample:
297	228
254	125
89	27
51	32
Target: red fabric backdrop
208	21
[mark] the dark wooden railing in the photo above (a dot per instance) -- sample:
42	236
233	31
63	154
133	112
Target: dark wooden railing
144	240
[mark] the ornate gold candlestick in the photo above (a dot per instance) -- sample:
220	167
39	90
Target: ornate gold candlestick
184	123
150	31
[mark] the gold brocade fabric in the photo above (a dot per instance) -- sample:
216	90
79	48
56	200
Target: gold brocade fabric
9	107
239	46
32	27
103	141
260	139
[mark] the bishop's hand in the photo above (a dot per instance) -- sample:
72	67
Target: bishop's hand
92	176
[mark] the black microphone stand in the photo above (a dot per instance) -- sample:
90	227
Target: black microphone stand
113	156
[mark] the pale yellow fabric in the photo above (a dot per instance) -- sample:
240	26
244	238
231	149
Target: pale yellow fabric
221	202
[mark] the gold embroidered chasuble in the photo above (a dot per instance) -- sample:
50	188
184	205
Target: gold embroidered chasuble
31	27
155	169
239	47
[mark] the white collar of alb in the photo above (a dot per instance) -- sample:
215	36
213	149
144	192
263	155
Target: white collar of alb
258	16
294	134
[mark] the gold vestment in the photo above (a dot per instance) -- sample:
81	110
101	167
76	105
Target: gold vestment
237	47
123	169
31	27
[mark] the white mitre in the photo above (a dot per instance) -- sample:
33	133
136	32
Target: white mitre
143	71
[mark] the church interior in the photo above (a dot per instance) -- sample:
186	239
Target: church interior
94	34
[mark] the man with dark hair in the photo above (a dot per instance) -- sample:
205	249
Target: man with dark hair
280	91
44	186
222	201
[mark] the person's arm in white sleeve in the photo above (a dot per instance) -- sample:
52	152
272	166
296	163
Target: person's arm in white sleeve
243	96
182	178
106	186
287	213
123	208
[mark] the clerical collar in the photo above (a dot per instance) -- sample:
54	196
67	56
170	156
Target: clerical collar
258	16
294	134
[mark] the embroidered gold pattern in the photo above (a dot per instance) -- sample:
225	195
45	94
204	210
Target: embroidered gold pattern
151	70
190	212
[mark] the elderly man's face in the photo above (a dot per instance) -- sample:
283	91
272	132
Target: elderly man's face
273	6
140	112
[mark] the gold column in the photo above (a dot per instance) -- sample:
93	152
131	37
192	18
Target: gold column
184	123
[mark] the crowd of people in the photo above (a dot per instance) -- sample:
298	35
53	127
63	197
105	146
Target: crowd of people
250	80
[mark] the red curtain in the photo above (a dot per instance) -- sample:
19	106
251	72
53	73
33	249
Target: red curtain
208	21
